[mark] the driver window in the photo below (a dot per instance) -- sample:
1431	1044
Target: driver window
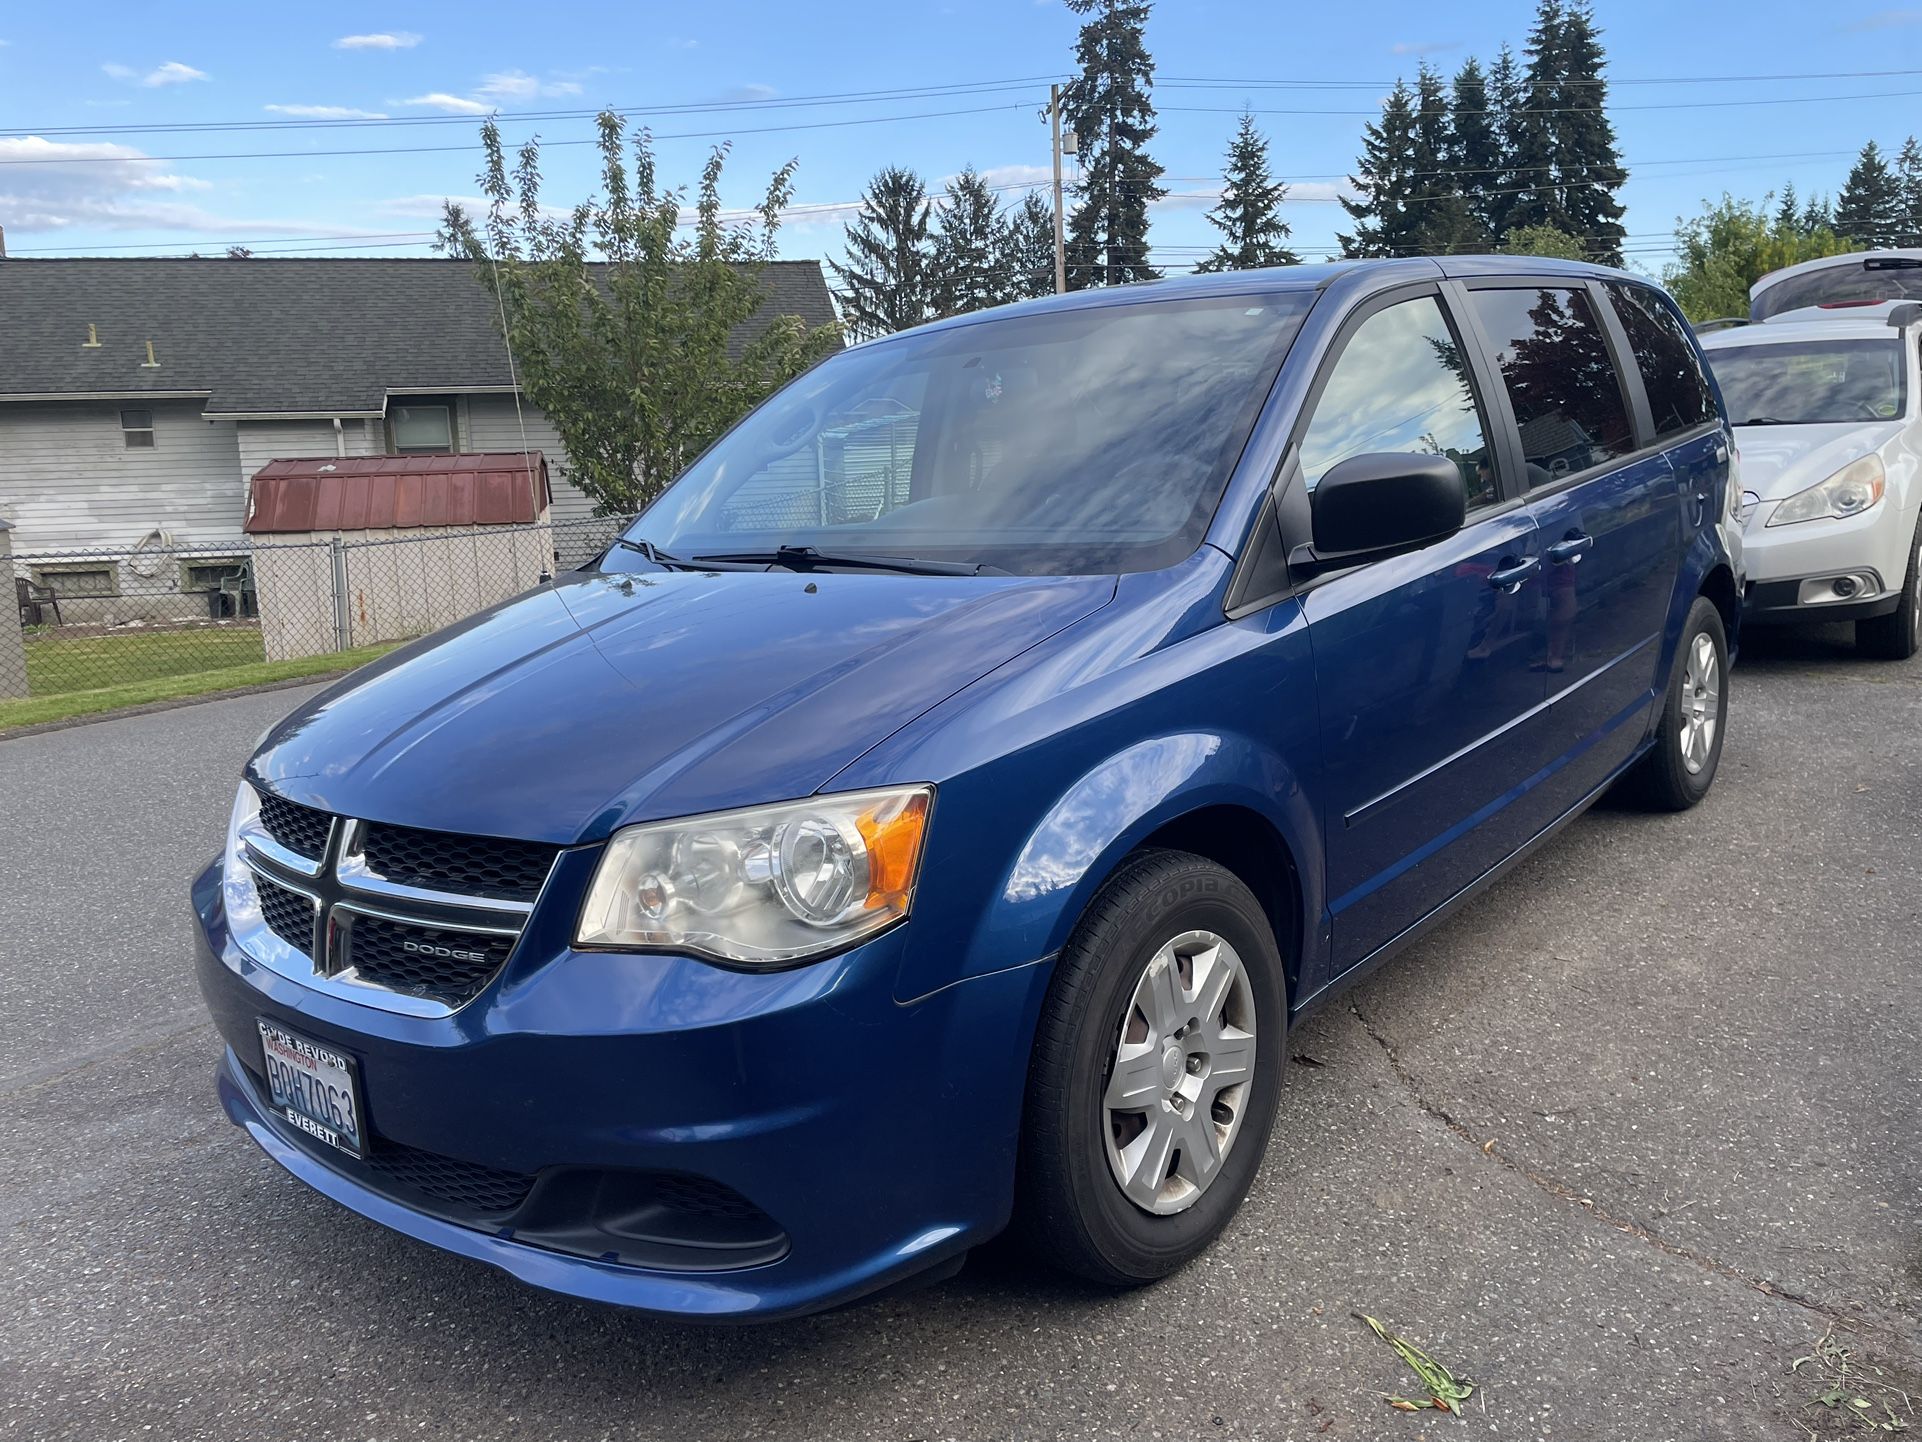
1401	384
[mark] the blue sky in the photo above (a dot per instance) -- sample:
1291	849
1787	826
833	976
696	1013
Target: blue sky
89	101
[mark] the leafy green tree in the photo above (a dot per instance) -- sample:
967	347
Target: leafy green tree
1908	176
1385	223
1588	167
966	264
1869	209
887	280
1544	240
1443	224
1531	131
620	318
1109	109
1504	181
1027	248
1731	245
1249	215
1473	164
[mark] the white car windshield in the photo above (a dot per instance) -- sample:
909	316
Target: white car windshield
1084	440
1811	382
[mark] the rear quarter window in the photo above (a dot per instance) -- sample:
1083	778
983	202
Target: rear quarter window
1679	395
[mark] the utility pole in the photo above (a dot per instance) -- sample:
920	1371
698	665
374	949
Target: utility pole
1060	225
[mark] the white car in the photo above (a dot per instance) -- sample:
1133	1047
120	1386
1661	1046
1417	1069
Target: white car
1825	394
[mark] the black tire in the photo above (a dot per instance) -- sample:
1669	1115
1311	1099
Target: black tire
1663	779
1895	636
1070	1207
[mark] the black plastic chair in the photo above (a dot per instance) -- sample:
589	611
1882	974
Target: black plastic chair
35	599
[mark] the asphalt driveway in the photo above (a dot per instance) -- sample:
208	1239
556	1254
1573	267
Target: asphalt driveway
1621	1142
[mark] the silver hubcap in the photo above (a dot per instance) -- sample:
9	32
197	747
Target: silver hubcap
1701	703
1184	1059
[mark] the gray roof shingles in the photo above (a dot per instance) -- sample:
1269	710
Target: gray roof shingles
275	336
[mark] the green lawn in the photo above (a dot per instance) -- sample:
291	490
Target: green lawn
145	673
58	663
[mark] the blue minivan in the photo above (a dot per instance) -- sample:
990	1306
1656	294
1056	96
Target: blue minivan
935	810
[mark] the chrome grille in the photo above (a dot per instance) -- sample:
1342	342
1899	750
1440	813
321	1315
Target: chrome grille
423	940
301	829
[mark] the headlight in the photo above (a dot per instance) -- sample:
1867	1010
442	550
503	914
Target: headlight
1848	492
765	886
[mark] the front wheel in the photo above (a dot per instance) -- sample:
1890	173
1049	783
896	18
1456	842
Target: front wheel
1155	1074
1680	767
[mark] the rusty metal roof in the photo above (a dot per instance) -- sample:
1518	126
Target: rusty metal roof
382	493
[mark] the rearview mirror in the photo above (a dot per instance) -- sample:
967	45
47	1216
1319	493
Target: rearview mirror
1372	506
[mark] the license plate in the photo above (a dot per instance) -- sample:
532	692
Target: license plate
314	1087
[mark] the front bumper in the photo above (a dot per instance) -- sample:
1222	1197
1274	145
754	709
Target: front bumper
879	1138
1792	569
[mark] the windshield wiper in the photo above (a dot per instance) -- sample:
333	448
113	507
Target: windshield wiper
655	554
810	558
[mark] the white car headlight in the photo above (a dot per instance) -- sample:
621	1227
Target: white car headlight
1848	492
764	886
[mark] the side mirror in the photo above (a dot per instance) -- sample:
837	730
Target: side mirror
1373	506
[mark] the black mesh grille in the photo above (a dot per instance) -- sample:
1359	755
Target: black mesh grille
301	829
405	957
442	861
462	1184
288	914
704	1197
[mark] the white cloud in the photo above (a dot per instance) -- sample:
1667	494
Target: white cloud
452	104
325	112
1307	192
1015	175
170	72
674	42
382	40
519	85
102	186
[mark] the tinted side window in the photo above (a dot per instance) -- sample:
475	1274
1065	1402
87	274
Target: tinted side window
1678	392
1554	361
1401	384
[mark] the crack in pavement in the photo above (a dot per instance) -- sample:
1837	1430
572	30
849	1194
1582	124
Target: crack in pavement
1486	1146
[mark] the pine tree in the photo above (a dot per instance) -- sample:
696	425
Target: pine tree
1908	176
1588	167
1788	215
1384	223
1504	182
1531	131
1818	214
1027	248
965	267
1474	161
1868	211
1108	107
885	283
1249	215
1442	221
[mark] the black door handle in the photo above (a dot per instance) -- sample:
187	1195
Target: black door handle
1571	548
1508	577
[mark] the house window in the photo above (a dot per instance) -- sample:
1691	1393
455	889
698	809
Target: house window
80	581
136	430
420	426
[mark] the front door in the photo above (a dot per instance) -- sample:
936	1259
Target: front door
1424	669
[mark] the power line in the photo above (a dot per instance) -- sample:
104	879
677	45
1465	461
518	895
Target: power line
1556	109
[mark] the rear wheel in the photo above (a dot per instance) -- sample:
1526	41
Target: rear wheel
1155	1073
1680	767
1895	636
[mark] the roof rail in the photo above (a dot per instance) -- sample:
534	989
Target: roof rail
1721	322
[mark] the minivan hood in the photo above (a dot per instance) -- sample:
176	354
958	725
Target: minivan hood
605	699
1778	461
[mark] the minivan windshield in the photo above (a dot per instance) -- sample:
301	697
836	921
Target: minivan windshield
1078	441
1810	382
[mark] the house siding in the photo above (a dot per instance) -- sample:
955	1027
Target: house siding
68	479
491	425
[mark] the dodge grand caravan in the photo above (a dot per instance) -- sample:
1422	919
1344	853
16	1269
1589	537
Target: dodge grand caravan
935	810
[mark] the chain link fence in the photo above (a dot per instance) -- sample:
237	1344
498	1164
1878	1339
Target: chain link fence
89	619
